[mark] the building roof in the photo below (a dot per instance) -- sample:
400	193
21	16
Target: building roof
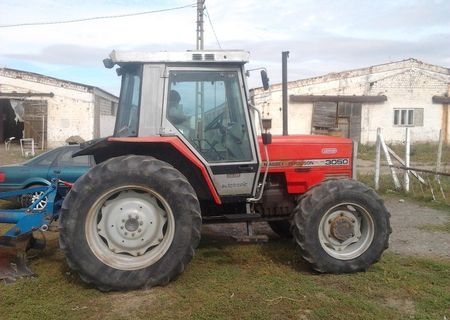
40	78
390	66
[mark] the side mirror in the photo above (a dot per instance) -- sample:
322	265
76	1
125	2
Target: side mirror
108	63
265	79
266	138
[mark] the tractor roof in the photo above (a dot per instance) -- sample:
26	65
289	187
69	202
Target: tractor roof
221	56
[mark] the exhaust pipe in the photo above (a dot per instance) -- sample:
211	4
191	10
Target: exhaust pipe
284	57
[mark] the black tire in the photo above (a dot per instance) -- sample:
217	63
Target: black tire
117	172
281	228
317	205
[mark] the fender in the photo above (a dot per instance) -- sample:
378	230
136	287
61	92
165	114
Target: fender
35	180
105	148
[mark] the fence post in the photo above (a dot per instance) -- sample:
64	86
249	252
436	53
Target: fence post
439	153
377	160
391	165
407	158
439	163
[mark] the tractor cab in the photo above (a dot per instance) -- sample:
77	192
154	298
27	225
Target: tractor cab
200	97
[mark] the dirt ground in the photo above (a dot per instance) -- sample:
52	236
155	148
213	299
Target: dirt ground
407	236
13	155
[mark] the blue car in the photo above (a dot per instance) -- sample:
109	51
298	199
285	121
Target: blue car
40	170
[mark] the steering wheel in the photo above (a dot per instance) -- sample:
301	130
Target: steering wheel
216	123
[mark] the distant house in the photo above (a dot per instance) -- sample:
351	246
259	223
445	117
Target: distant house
51	110
354	103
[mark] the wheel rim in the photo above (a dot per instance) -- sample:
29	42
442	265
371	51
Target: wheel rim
28	199
43	203
346	231
130	227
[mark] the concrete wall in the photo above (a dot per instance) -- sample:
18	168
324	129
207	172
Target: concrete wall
407	84
446	119
106	111
72	111
69	112
107	125
410	89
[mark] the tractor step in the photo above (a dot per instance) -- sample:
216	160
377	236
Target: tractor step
241	217
232	218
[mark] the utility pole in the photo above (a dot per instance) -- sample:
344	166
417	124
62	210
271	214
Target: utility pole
200	9
199	86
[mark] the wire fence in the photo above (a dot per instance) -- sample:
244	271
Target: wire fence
426	181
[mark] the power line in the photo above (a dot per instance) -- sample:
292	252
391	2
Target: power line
212	27
95	18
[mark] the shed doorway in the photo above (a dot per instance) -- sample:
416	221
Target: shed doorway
337	118
24	119
9	127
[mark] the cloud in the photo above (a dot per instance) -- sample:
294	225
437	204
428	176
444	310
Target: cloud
322	35
65	55
324	53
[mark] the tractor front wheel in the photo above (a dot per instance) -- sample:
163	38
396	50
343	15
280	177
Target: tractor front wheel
341	226
130	222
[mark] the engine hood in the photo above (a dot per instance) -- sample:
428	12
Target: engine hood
302	147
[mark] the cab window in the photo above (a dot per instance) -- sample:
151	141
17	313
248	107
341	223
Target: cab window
206	108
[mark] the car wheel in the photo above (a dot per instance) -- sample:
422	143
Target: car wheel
27	199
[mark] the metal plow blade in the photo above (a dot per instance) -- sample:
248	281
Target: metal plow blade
13	261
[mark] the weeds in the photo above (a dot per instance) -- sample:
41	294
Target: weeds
418	192
424	153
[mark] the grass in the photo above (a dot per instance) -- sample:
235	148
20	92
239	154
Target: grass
14	155
424	153
418	193
234	281
436	227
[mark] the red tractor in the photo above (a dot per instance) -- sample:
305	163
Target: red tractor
186	151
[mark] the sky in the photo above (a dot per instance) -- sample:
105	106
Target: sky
322	36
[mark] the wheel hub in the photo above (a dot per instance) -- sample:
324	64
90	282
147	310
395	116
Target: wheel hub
342	228
131	223
346	231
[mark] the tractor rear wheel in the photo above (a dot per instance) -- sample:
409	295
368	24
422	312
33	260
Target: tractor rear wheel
130	222
341	226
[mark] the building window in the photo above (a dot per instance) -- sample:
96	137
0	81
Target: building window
408	117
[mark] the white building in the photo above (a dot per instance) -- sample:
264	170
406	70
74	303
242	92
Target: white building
51	110
354	103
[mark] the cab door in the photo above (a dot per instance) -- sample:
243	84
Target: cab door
207	108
